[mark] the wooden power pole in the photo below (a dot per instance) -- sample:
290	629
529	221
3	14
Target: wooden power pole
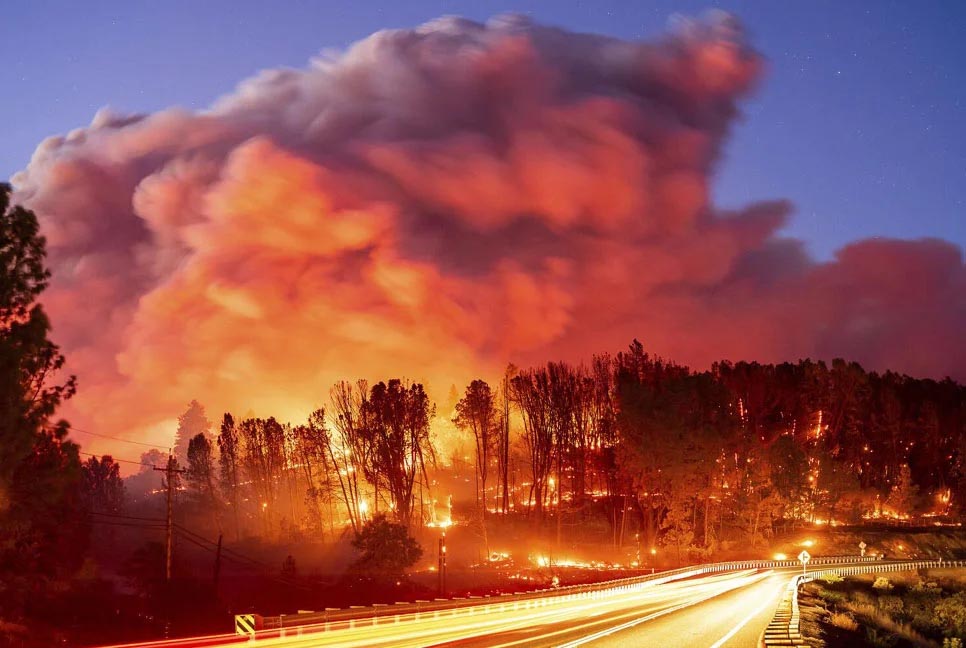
170	471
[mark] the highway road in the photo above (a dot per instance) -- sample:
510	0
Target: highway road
729	609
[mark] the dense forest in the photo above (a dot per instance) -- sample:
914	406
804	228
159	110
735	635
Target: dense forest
628	450
629	446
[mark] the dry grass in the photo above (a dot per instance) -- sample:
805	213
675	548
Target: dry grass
875	618
843	620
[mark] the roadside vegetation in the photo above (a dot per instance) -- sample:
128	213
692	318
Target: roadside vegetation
920	609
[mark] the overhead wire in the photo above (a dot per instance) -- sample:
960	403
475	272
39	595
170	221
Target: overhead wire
130	461
114	438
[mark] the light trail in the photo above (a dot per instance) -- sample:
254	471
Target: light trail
767	603
691	609
552	616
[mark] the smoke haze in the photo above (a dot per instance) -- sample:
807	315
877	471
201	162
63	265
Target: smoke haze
433	203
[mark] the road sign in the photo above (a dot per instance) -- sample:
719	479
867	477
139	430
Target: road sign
245	625
862	547
803	558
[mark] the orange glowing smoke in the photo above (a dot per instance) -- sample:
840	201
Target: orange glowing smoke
434	203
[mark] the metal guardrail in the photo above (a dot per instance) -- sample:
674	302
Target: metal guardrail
382	613
784	628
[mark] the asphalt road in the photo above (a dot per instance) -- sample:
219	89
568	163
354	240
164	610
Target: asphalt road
728	610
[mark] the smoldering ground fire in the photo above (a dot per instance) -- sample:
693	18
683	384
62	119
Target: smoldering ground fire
436	202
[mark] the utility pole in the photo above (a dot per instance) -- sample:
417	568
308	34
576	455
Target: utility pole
217	566
170	472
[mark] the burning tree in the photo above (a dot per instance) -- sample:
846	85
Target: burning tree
395	441
347	450
476	413
263	456
228	465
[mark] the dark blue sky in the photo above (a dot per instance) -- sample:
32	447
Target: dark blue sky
860	121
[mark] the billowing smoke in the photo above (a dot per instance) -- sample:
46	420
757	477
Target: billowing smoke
436	202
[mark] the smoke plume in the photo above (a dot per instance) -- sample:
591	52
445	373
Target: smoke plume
435	202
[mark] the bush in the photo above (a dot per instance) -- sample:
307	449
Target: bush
882	584
831	578
950	614
386	549
879	639
844	621
831	597
891	605
861	598
952	642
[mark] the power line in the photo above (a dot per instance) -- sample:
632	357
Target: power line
156	527
247	561
127	517
224	549
136	463
114	438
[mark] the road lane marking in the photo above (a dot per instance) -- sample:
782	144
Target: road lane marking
634	622
734	630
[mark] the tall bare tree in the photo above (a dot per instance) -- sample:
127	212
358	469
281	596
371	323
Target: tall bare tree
347	447
476	413
396	441
229	460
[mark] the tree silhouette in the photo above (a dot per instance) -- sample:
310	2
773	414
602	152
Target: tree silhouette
229	462
103	486
42	535
386	548
190	424
476	413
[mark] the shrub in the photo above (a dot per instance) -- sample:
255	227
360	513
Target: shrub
880	639
831	578
952	642
882	584
844	621
861	598
831	597
386	549
891	605
950	614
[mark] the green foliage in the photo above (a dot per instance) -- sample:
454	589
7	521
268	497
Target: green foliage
386	549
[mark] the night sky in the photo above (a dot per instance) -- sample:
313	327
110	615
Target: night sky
859	121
